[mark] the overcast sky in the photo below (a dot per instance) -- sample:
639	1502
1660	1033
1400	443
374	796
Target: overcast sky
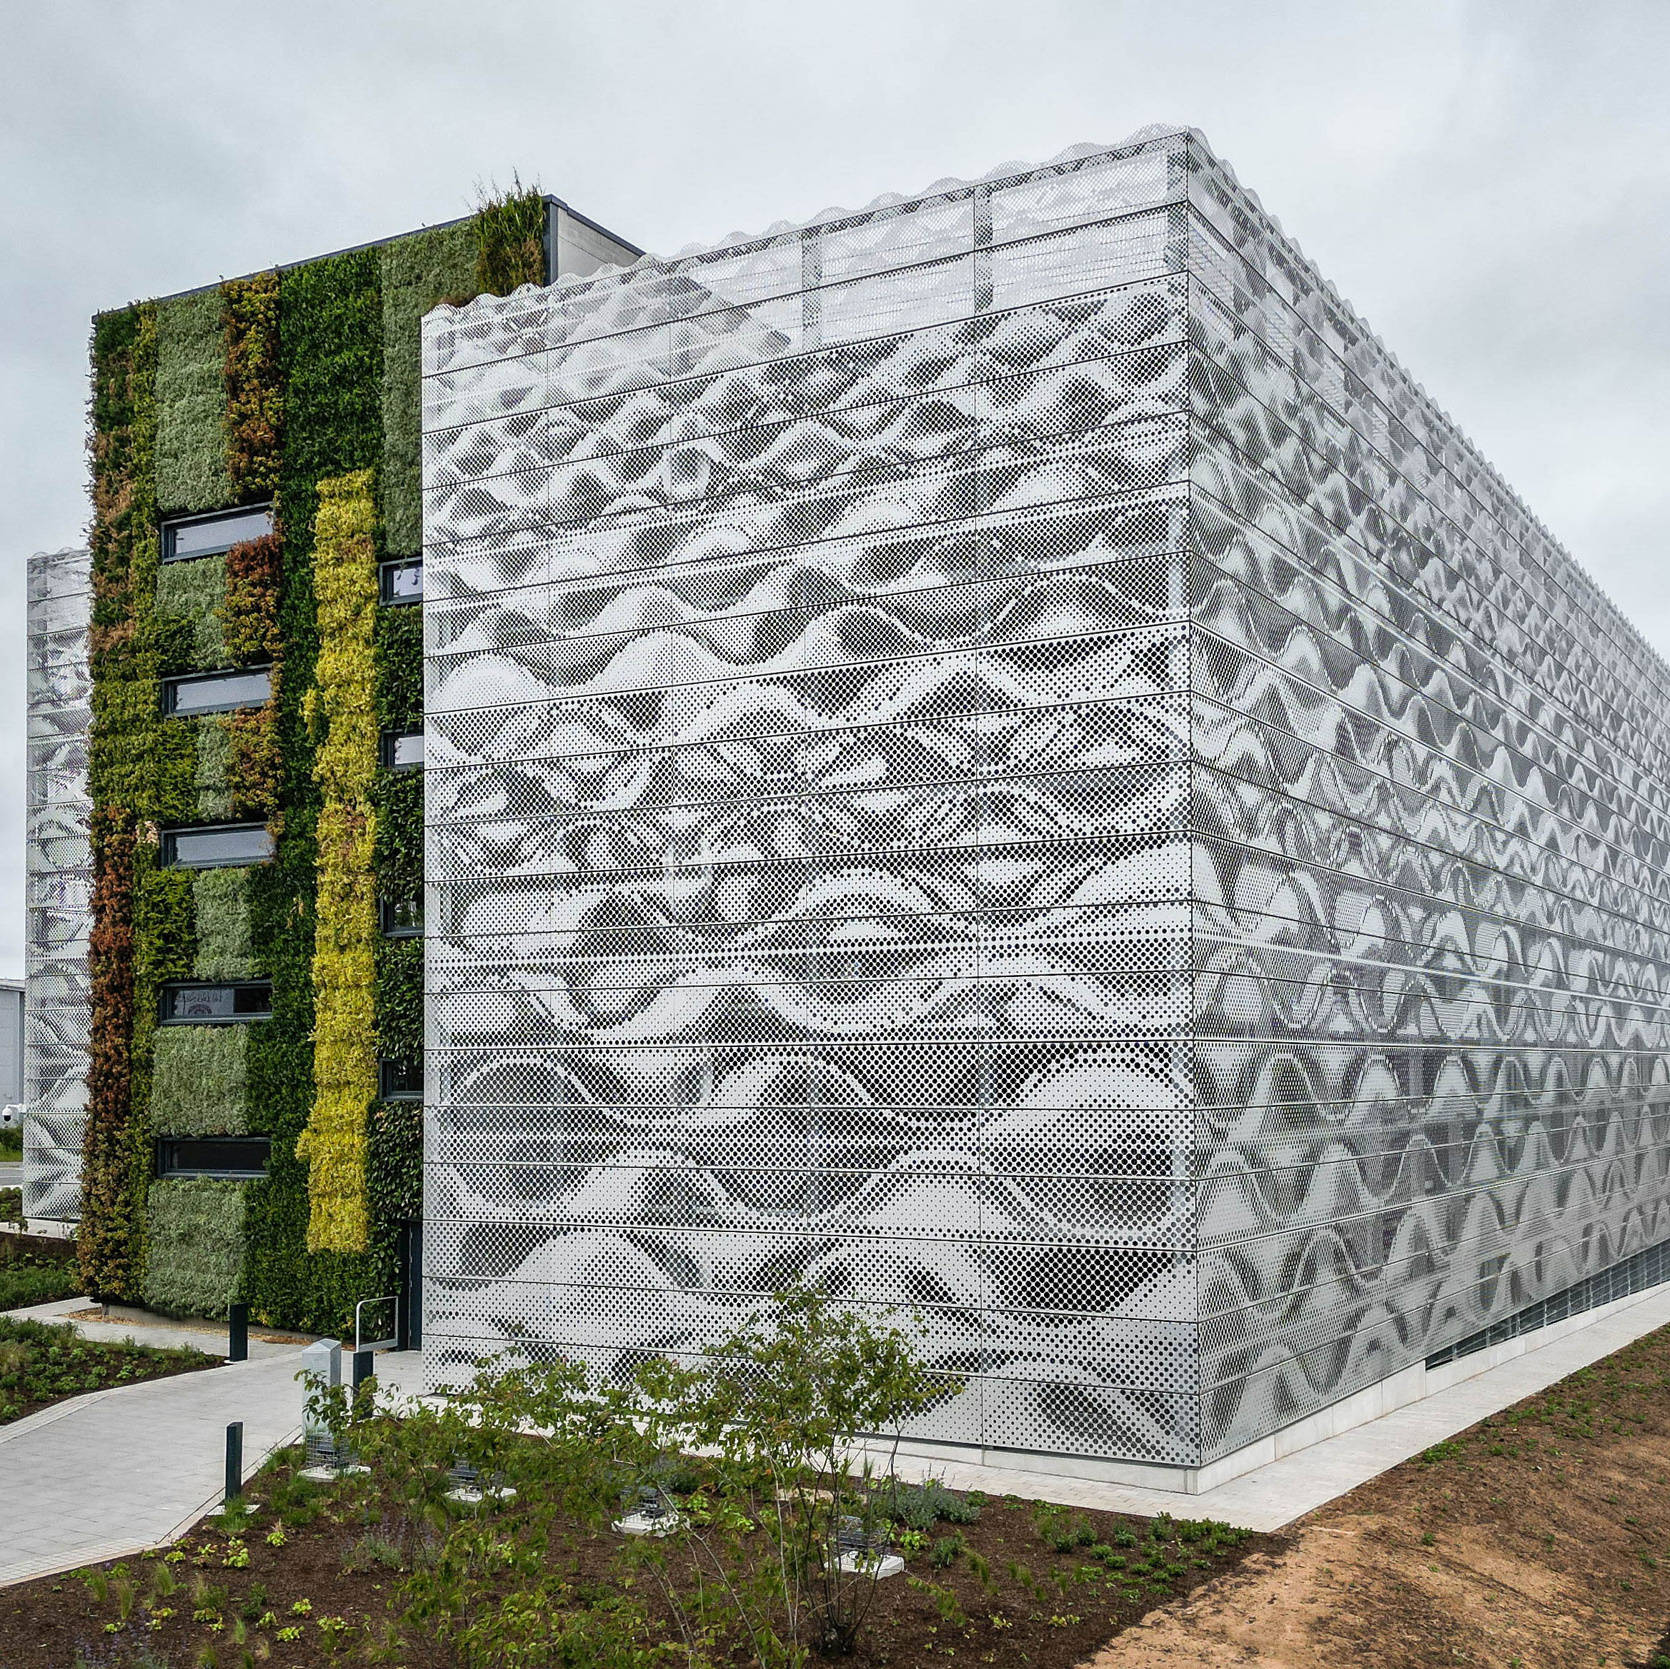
1488	183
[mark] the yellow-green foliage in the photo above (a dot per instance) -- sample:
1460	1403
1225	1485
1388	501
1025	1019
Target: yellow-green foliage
342	716
191	404
200	1079
195	1227
190	602
222	902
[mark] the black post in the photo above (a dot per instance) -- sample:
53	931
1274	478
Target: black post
362	1369
237	1331
234	1460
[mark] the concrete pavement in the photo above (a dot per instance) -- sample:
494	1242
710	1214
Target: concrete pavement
11	1174
112	1472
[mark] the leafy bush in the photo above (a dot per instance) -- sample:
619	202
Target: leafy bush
191	403
224	947
774	1410
11	1143
200	1087
11	1205
195	1229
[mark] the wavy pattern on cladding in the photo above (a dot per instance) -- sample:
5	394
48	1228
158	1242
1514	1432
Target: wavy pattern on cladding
990	755
58	903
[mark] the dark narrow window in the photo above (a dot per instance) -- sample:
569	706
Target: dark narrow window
403	752
403	581
248	999
402	917
215	848
217	692
402	1080
209	535
228	1156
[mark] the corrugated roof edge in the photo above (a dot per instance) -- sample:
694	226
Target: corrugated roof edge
1150	133
551	202
1145	135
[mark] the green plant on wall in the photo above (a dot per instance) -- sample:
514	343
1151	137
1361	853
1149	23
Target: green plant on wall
191	403
301	387
200	1082
342	714
197	1245
510	240
225	946
254	390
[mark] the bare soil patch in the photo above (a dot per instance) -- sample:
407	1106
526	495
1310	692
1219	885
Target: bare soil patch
1538	1539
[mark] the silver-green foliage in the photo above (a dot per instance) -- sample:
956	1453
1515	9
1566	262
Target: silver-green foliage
195	592
200	1080
195	1235
191	404
417	272
222	902
213	779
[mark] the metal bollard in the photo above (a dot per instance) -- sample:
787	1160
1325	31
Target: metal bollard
237	1334
234	1461
362	1369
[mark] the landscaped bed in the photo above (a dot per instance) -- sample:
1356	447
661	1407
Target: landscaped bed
36	1270
42	1363
324	1573
770	1557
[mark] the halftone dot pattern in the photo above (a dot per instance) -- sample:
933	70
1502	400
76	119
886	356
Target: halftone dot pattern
996	754
59	884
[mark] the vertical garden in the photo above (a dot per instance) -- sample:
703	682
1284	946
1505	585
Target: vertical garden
296	391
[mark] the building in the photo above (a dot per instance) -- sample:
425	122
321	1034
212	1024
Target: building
994	752
998	754
226	794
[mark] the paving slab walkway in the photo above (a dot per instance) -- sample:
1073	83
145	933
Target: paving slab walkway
108	1474
112	1472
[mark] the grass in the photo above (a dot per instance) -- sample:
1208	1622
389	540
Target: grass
41	1364
11	1145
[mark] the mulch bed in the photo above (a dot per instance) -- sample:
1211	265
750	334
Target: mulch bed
1059	1584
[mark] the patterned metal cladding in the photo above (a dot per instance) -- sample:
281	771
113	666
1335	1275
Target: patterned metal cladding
58	903
996	754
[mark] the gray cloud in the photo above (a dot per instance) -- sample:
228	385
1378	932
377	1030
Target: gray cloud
1489	184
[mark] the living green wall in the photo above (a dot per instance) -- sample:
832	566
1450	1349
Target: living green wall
280	387
197	1245
191	403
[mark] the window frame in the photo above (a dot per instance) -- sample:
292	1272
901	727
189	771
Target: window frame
387	569
167	1146
173	987
171	688
387	1067
385	912
168	837
172	524
388	742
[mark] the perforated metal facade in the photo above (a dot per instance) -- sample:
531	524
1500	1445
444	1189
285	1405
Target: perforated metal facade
997	754
59	885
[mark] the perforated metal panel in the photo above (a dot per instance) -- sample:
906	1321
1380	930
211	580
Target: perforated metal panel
59	885
996	753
